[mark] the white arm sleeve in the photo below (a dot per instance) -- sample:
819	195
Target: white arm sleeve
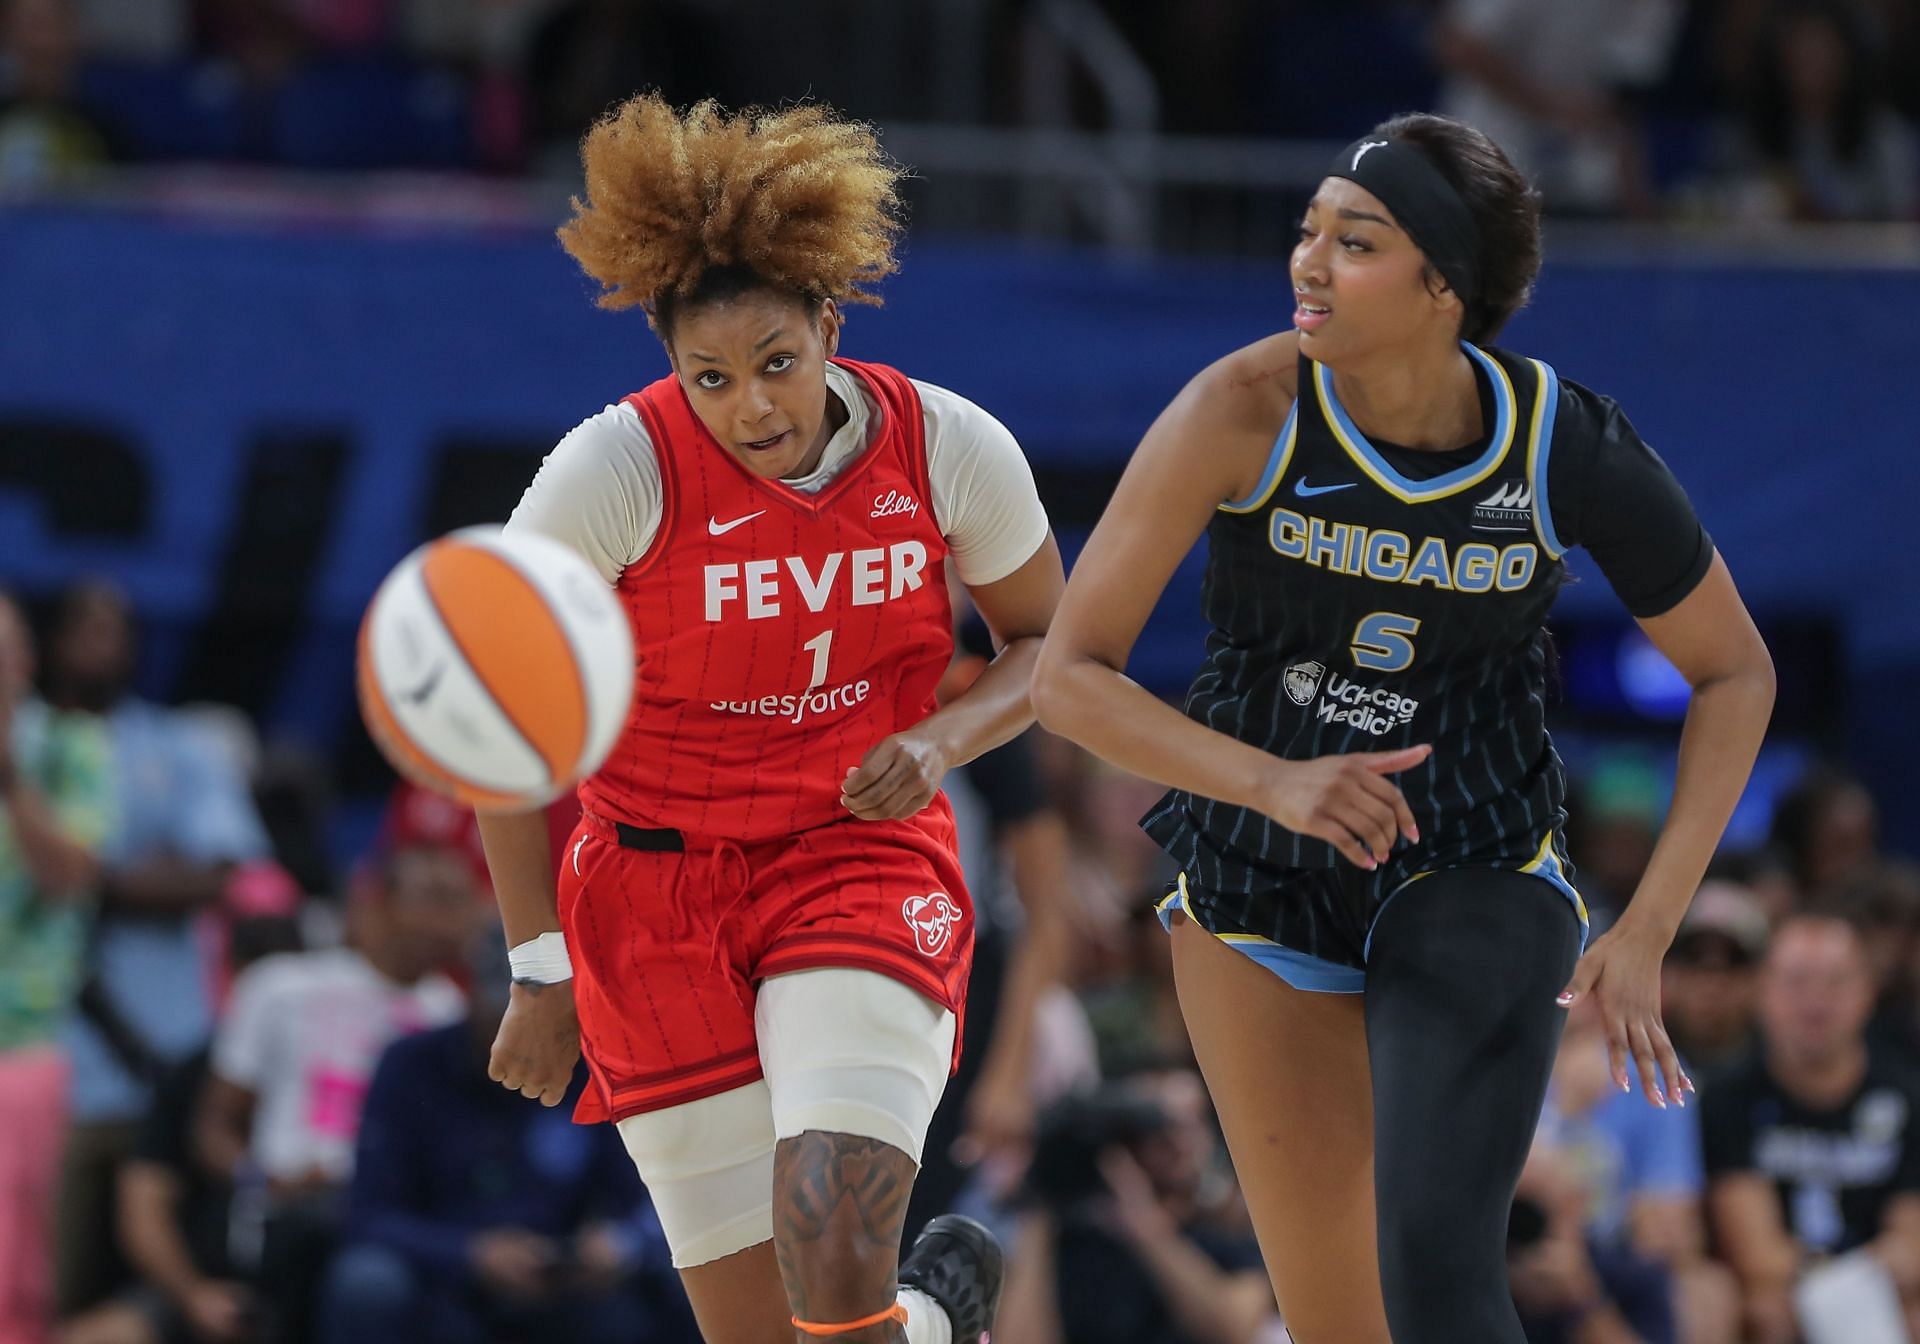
598	491
983	493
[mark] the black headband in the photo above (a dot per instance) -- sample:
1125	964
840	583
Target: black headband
1423	203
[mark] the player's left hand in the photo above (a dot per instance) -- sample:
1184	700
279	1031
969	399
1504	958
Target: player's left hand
1622	972
896	778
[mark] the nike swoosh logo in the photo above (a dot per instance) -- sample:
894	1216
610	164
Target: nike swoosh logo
418	695
717	528
1305	491
576	856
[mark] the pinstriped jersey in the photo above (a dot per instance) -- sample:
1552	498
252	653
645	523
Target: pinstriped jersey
780	634
1366	597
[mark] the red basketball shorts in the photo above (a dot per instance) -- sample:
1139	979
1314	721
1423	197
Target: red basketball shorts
671	933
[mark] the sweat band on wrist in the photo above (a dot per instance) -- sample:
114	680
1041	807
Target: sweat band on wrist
541	961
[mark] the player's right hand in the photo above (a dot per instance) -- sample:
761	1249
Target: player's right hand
1347	800
538	1043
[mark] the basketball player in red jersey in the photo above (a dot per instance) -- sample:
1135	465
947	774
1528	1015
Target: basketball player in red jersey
761	937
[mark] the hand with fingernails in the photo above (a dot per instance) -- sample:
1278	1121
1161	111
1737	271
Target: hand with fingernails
1347	800
1621	972
897	777
538	1043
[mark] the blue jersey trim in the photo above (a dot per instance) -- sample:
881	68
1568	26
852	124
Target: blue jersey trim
1368	458
1544	864
1276	464
1539	449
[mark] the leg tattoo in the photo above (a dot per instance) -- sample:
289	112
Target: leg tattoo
839	1204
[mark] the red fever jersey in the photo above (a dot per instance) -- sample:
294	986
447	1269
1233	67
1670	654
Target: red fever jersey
779	634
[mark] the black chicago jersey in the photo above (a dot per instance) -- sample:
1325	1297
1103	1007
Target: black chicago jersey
1366	597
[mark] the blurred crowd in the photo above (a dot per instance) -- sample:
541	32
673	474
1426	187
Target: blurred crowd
243	1102
1701	109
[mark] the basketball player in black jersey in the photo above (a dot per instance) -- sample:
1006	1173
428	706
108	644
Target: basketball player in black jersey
1375	930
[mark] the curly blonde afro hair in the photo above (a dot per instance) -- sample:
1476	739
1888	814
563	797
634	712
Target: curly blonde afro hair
700	206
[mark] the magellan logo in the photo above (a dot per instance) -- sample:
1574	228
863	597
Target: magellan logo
1508	509
1302	680
932	918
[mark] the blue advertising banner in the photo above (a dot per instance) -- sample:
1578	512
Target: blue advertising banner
247	423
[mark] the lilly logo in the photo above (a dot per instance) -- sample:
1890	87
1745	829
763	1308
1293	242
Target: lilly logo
892	503
932	919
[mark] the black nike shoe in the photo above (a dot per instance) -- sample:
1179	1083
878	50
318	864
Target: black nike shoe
956	1262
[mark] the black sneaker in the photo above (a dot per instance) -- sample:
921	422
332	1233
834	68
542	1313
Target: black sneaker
956	1262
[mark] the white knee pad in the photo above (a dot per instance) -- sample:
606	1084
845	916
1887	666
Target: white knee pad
849	1052
853	1052
708	1165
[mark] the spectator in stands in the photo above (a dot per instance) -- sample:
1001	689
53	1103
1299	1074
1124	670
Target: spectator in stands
418	816
1827	828
261	39
1127	986
1552	83
1886	901
174	1214
294	1053
489	42
1019	869
55	807
1137	1234
1638	1184
184	821
1764	875
47	139
1813	1151
1828	142
1622	801
466	32
586	55
266	38
476	1214
346	27
1896	30
1711	979
1114	860
1566	1289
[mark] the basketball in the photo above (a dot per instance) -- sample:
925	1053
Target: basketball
495	669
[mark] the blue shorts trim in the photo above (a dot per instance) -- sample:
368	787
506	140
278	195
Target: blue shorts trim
1544	864
1296	968
1319	976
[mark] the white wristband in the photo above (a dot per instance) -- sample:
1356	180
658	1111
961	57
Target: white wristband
542	960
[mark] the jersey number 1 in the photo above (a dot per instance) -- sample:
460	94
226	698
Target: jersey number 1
818	647
1383	641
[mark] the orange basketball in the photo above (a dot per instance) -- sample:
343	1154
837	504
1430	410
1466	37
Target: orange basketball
495	669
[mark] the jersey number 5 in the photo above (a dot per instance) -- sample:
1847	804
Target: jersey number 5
1383	641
